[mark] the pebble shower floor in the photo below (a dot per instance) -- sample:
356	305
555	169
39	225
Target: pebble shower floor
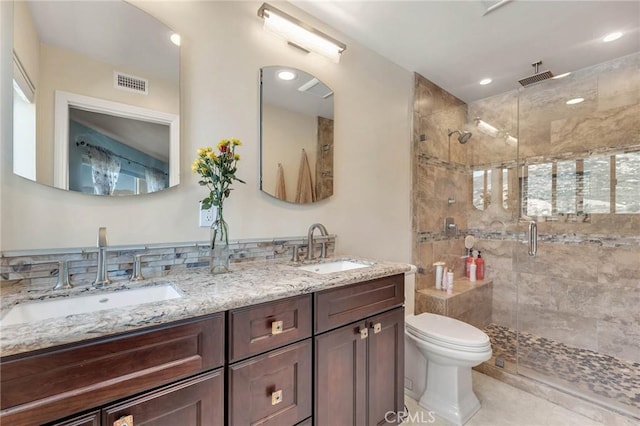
603	377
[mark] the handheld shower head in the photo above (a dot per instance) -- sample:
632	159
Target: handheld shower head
463	136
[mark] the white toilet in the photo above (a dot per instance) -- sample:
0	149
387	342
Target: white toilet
439	354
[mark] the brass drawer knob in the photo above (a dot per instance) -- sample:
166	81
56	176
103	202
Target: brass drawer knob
276	397
277	327
364	333
124	421
377	327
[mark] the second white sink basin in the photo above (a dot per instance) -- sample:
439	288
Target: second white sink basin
38	311
335	266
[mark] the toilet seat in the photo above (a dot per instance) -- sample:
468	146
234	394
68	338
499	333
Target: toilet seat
447	332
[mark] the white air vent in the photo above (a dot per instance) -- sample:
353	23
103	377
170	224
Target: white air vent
130	83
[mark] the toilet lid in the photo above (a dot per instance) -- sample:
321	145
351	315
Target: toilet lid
445	329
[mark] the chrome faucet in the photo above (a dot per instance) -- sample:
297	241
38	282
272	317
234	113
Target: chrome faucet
102	275
323	232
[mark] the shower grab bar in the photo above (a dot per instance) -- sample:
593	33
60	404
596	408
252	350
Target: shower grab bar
533	238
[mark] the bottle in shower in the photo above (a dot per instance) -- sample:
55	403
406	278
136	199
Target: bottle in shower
480	267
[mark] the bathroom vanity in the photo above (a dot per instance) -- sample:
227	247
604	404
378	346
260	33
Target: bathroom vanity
267	343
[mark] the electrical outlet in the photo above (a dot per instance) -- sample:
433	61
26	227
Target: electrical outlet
206	216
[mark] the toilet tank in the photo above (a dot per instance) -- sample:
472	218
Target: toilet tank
410	290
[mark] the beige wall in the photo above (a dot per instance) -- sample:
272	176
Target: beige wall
27	43
224	46
286	133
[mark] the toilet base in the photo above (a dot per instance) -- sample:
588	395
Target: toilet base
449	393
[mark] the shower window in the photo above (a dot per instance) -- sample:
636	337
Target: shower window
602	184
627	183
491	185
537	190
481	189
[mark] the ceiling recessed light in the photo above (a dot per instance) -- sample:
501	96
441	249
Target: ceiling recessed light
175	39
286	75
612	36
485	81
561	75
575	101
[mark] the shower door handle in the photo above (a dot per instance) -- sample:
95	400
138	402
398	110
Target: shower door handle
533	238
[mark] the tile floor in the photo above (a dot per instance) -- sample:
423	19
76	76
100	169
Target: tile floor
504	405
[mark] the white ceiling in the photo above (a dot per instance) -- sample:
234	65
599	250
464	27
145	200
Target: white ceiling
317	101
455	44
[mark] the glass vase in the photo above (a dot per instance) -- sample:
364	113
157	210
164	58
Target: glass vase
219	253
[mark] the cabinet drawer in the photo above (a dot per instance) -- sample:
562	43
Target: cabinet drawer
257	329
339	306
194	402
56	383
273	388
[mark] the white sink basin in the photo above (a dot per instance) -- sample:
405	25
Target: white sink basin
37	311
335	266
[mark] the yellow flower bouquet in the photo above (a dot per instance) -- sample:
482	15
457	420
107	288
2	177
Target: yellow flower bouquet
218	172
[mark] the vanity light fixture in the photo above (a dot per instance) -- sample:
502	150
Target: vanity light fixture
575	101
485	81
175	39
612	36
286	75
299	34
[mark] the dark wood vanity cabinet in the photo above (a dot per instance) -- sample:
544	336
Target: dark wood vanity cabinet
273	387
359	367
37	388
334	357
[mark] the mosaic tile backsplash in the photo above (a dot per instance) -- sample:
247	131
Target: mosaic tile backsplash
38	269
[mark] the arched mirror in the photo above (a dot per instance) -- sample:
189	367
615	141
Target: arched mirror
296	123
96	97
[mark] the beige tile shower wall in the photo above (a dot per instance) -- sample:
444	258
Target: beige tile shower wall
581	295
609	116
490	147
440	173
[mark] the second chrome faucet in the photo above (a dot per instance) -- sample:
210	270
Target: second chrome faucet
310	246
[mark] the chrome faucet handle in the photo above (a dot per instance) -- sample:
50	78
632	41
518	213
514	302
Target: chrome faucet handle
323	250
63	276
295	248
102	237
136	275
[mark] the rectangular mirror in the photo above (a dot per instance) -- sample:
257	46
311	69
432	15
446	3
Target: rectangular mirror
95	79
296	135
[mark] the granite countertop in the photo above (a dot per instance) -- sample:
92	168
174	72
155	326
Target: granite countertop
247	284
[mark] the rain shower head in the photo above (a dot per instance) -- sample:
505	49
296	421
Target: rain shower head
463	136
537	76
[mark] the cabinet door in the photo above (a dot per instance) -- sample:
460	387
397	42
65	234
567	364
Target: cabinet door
195	402
273	388
386	366
89	419
341	376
